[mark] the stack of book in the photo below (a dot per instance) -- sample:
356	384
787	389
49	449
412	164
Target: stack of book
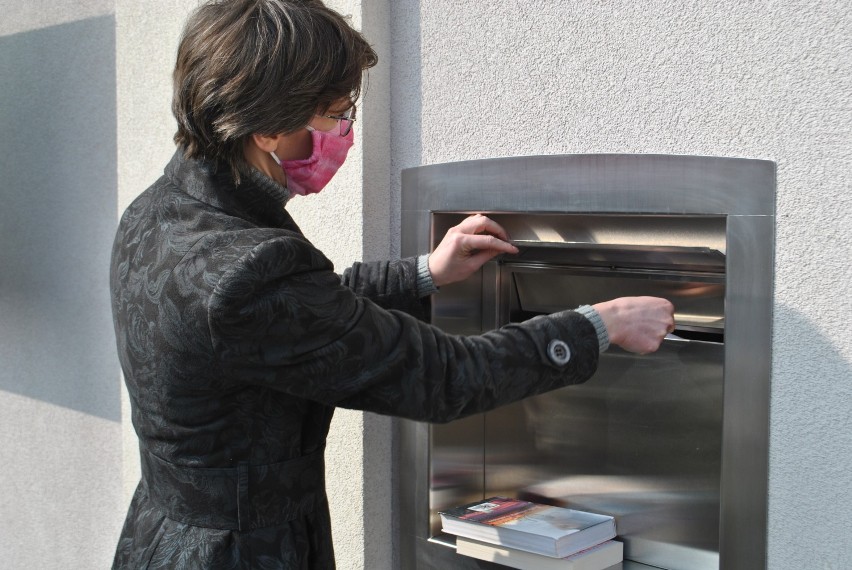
529	536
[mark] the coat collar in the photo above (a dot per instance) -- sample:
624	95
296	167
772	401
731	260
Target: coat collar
258	197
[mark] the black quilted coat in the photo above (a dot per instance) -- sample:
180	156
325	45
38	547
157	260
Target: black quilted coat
237	341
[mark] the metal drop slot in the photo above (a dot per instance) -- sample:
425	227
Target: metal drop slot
673	444
552	276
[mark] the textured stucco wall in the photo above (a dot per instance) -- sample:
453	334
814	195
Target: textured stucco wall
459	79
60	431
751	79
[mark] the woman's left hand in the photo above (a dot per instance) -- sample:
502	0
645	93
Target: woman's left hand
466	247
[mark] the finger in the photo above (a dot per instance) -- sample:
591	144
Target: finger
488	242
478	224
474	224
495	229
479	259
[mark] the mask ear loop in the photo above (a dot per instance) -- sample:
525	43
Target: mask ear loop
278	161
275	156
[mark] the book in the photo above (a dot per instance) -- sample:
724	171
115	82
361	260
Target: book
543	529
597	557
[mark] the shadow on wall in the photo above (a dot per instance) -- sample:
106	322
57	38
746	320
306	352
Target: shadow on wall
810	437
58	218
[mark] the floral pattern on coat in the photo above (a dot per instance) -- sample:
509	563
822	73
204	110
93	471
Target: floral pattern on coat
237	340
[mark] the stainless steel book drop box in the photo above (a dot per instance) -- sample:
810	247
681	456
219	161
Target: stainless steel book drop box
673	444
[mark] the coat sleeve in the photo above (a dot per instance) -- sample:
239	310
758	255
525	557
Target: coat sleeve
389	284
281	318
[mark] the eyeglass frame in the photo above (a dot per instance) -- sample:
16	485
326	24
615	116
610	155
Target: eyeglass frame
349	118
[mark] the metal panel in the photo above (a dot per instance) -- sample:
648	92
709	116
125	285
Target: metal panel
618	183
745	456
640	441
686	200
698	298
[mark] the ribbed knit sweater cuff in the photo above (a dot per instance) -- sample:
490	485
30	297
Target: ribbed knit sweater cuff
425	285
590	313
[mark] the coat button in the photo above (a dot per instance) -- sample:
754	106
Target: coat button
558	352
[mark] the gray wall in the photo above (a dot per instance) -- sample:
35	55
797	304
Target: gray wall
458	79
60	431
758	79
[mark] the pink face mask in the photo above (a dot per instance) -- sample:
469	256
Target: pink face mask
310	175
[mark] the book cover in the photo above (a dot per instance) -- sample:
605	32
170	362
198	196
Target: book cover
543	529
598	557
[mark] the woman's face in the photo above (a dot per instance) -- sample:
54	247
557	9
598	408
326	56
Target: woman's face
299	144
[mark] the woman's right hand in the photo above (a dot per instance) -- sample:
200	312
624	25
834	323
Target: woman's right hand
466	247
637	324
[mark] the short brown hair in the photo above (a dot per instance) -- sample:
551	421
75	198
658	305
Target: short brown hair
260	66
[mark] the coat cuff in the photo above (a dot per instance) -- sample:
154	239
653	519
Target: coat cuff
425	285
600	328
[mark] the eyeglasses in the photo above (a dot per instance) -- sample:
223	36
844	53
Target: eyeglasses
344	121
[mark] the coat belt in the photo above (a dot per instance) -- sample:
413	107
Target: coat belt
241	498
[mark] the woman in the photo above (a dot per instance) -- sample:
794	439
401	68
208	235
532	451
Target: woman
238	340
